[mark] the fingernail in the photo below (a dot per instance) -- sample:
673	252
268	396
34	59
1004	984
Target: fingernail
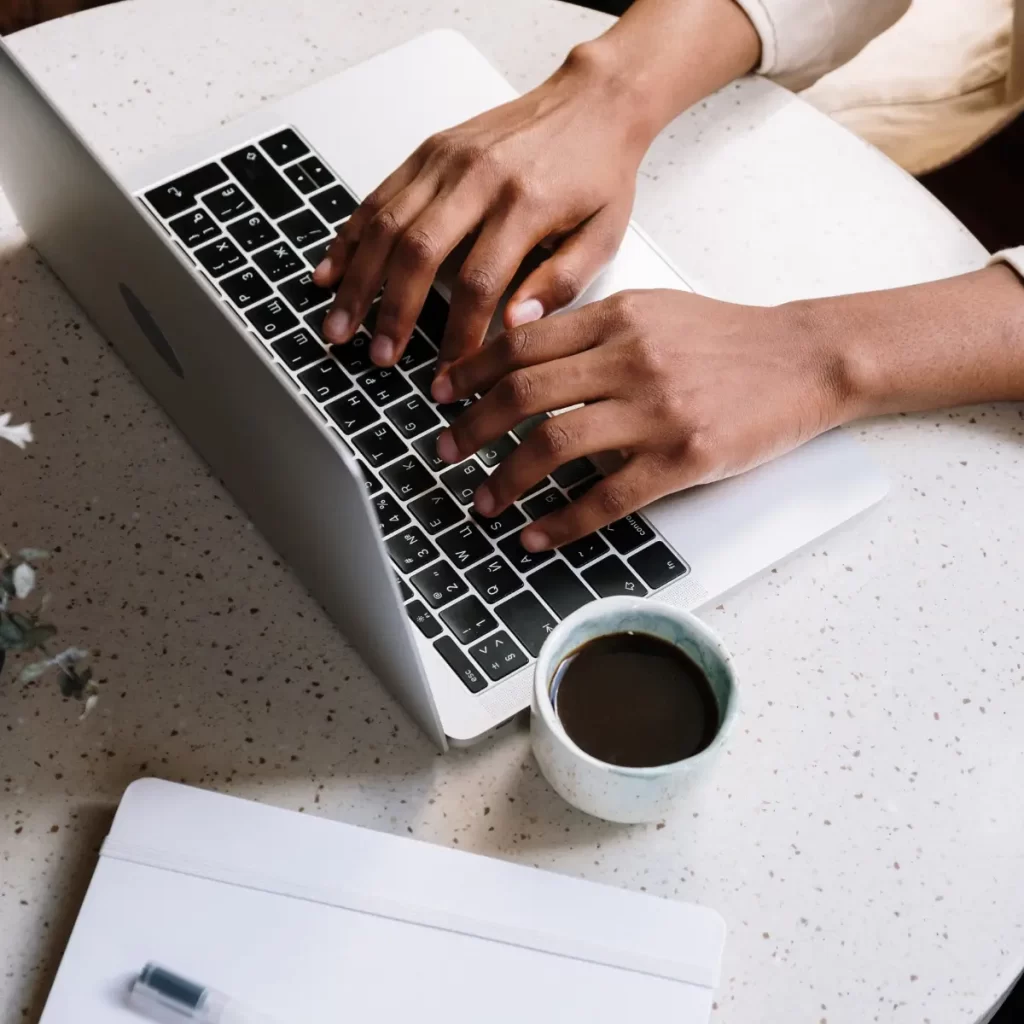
442	390
534	540
336	325
526	312
447	448
484	500
382	350
323	267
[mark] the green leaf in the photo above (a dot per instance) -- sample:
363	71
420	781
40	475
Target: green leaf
11	634
38	635
30	673
33	554
22	621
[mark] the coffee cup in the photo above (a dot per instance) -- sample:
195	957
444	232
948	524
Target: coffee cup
618	792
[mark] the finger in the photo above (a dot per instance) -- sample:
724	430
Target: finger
561	279
365	270
559	439
418	255
330	269
486	273
583	377
518	348
640	481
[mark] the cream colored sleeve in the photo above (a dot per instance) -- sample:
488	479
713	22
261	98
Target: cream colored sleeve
1012	257
801	40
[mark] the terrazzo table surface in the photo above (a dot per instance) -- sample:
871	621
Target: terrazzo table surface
863	838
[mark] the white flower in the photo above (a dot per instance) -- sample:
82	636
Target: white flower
24	580
19	435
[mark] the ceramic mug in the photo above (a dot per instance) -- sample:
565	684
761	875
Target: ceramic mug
612	792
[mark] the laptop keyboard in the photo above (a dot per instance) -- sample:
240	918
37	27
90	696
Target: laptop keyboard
256	222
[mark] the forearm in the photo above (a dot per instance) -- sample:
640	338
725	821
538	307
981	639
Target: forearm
946	343
666	55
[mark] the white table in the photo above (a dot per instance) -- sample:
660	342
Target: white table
864	839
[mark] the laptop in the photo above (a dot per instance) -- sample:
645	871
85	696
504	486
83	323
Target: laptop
196	267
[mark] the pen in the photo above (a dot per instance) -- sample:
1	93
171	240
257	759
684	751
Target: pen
166	996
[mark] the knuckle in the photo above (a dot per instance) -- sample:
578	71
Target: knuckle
616	499
623	309
647	355
514	346
516	390
553	439
383	225
478	283
418	247
373	204
566	287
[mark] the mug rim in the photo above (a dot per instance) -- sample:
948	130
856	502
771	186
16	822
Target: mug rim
546	709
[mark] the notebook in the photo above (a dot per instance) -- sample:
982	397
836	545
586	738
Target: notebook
308	920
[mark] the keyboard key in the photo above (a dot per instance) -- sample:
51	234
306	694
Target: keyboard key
284	147
528	619
520	558
304	228
245	288
469	620
271	193
434	317
498	656
510	519
390	515
325	381
412	416
411	550
227	203
465	545
436	511
195	227
303	294
300	179
278	262
560	588
408	477
253	232
403	588
493	453
380	445
384	384
573	472
545	502
611	578
579	490
179	195
628	533
585	550
658	565
274	317
423	378
463	480
494	579
334	205
354	355
373	485
425	622
460	664
418	351
521	430
454	410
317	172
439	584
314	257
427	448
220	257
352	412
370	320
298	349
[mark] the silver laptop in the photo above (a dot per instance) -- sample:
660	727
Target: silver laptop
197	268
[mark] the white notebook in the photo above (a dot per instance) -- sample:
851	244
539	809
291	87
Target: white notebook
309	921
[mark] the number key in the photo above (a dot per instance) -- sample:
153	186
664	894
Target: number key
390	515
253	232
439	584
411	550
469	620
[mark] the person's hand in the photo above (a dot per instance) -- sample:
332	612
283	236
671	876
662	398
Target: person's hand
556	166
687	389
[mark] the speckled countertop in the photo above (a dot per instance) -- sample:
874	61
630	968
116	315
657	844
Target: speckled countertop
864	836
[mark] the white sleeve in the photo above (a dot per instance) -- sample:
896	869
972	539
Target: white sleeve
801	40
1012	257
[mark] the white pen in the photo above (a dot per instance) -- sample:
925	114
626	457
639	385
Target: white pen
165	996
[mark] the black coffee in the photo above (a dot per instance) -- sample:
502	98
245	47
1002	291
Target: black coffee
634	700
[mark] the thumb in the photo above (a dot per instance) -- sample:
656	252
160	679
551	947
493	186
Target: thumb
562	278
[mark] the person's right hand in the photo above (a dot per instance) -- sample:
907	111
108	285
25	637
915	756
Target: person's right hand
557	166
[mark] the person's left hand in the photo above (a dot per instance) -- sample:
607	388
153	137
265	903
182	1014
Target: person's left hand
688	389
